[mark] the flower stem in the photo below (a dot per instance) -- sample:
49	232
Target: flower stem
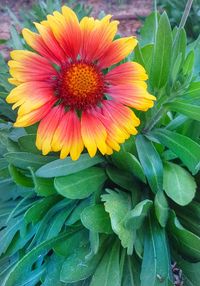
155	119
185	13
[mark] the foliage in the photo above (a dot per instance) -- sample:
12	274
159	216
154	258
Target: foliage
175	10
116	220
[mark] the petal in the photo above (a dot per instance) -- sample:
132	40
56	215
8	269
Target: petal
93	133
34	116
126	73
134	95
66	30
50	41
47	128
96	36
117	51
68	134
27	66
30	96
119	121
45	43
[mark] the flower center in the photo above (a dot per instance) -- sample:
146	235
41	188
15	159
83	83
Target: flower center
81	86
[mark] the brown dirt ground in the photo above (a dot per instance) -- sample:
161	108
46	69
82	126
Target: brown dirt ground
128	12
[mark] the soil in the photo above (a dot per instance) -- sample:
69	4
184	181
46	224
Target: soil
128	12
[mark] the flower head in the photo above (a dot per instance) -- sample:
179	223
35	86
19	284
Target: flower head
71	85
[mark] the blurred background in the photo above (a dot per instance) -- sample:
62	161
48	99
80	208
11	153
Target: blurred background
130	13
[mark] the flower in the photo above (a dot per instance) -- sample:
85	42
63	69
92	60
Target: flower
72	86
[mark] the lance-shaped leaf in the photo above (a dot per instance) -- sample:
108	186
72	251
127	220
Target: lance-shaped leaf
156	264
185	148
161	208
151	163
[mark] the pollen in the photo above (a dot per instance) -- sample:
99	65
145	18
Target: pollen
81	86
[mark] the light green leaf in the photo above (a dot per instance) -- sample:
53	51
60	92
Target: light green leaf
118	204
188	109
135	218
121	178
151	162
81	184
96	219
67	166
178	184
185	148
162	53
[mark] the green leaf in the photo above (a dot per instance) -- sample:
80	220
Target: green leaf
121	178
81	184
108	271
96	219
161	208
151	162
186	242
39	209
77	267
179	45
178	184
27	143
19	178
43	187
162	53
181	106
118	204
25	160
28	259
67	166
190	272
135	218
148	31
156	264
77	240
52	275
76	214
185	148
128	162
131	272
188	64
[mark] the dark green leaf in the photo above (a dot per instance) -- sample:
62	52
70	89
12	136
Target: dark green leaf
161	208
186	242
156	264
128	162
19	178
185	148
108	271
151	162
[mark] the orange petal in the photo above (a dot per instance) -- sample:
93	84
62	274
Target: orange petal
134	95
47	128
96	36
126	73
117	51
28	66
93	133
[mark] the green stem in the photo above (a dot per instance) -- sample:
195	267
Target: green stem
155	119
185	14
